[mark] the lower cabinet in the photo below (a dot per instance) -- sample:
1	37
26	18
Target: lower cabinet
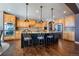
70	36
9	37
14	37
18	34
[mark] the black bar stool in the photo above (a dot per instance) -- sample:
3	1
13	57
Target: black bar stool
41	39
27	39
49	38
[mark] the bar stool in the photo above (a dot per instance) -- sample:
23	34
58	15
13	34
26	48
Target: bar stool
41	39
49	39
27	40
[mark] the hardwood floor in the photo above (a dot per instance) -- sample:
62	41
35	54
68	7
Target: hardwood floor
63	48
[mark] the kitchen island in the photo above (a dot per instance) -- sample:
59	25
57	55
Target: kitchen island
29	39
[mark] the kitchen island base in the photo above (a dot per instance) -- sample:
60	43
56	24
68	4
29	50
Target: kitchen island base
39	39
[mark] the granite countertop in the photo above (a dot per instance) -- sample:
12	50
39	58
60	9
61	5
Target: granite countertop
37	31
40	32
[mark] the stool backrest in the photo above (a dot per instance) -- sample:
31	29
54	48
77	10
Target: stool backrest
40	36
27	36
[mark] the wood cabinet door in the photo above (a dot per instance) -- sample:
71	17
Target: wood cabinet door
70	21
18	35
9	18
9	38
70	36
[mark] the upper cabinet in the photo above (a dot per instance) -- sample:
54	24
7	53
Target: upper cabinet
30	23
22	24
61	21
70	21
9	18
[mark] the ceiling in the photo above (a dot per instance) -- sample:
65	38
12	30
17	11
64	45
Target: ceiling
60	10
77	5
74	7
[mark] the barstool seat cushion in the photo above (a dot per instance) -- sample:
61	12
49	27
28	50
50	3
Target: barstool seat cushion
27	38
40	37
50	36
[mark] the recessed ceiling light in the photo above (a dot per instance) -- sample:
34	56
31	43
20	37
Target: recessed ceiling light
53	16
64	11
9	9
37	11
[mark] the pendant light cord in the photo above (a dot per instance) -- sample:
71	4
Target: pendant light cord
41	13
27	11
52	13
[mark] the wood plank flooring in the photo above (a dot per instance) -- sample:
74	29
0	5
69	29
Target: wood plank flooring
63	48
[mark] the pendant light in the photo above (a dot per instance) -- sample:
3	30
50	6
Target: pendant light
27	12
41	14
52	14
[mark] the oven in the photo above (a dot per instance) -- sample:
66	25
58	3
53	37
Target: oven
9	29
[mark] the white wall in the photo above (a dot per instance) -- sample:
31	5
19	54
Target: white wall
19	9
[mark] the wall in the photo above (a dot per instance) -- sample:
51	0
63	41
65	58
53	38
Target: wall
18	9
77	28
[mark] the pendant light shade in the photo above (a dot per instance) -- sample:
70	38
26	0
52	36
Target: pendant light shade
26	3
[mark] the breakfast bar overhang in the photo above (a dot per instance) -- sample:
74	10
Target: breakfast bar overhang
39	38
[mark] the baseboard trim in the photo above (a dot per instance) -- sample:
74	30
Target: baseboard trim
76	42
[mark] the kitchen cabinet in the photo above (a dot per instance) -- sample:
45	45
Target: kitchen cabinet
70	36
14	37
22	24
32	22
9	37
9	18
9	26
58	22
61	21
18	34
69	28
70	21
